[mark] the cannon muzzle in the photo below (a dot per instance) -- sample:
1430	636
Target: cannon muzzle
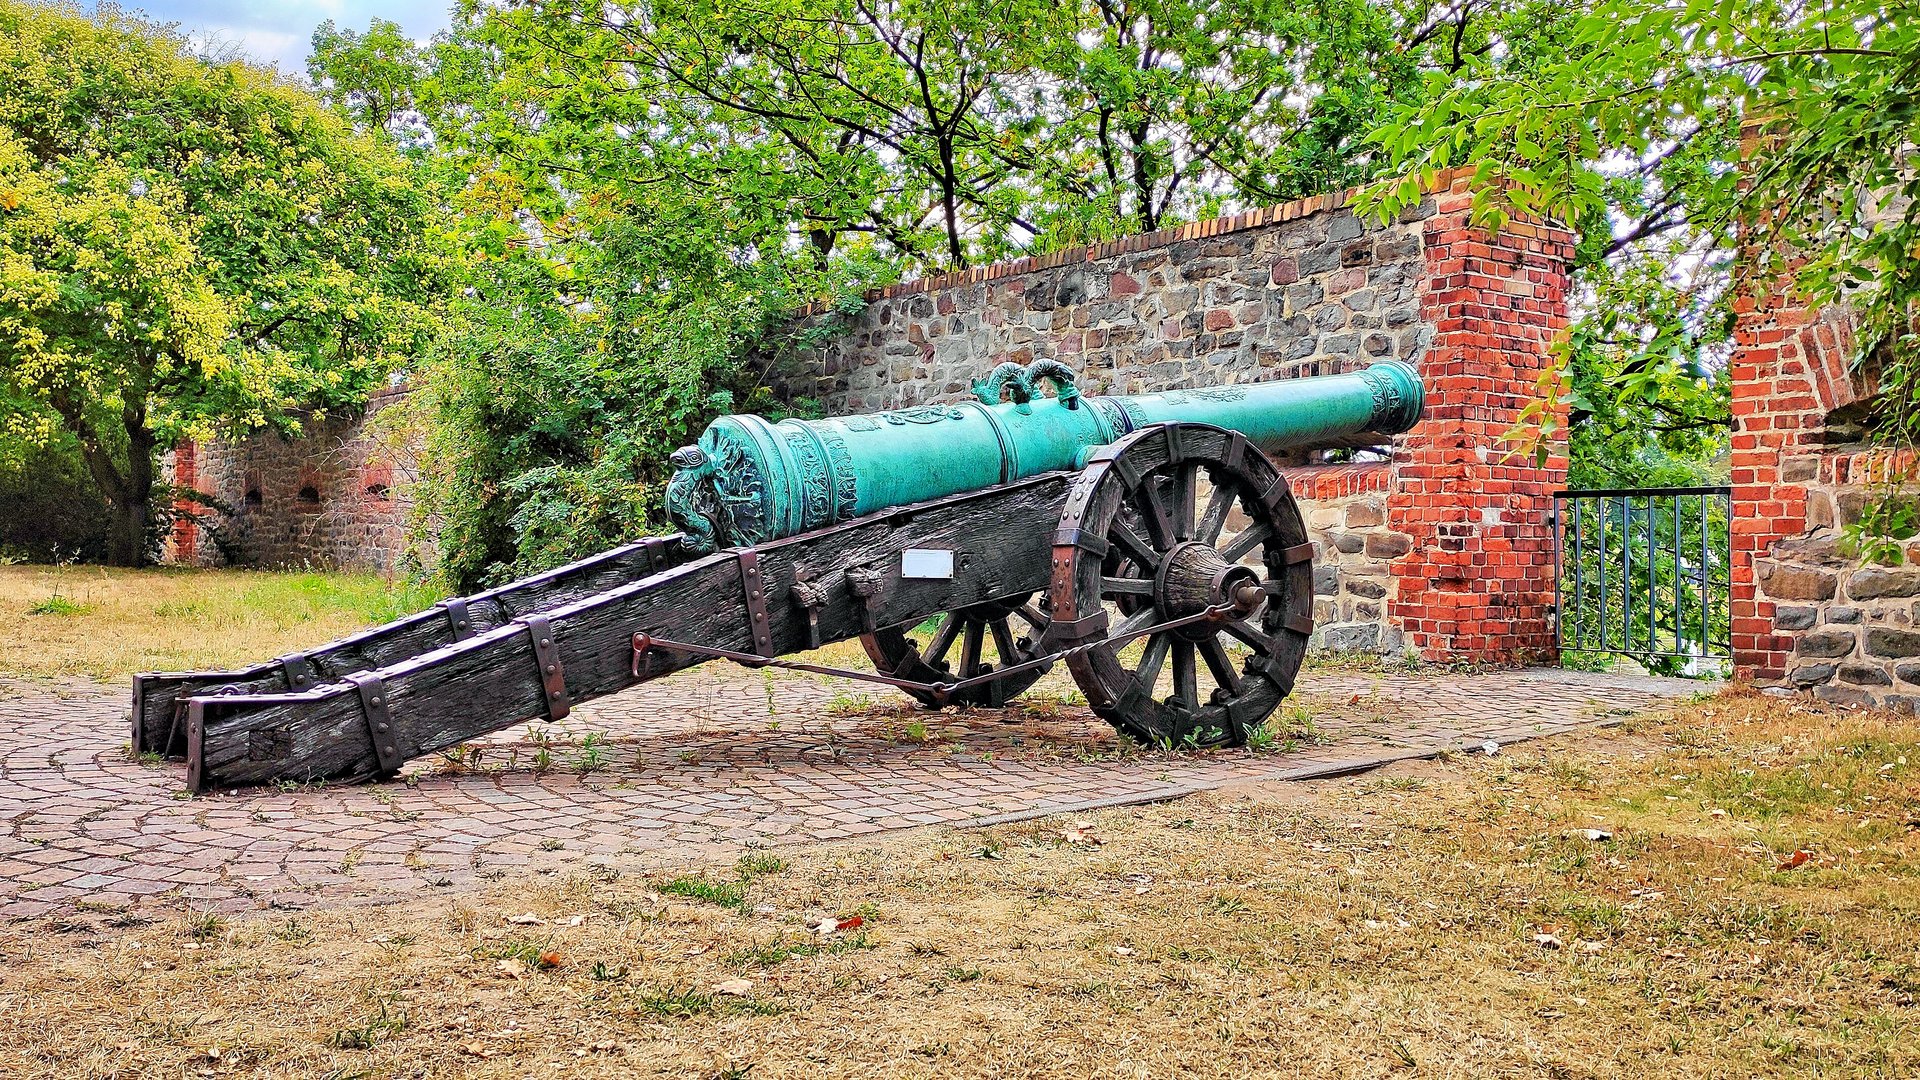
749	480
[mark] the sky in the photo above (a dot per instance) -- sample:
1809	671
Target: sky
282	33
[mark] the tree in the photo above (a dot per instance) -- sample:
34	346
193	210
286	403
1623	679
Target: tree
370	77
185	248
643	188
942	135
1822	196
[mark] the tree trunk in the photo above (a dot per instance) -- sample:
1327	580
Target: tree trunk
129	495
127	533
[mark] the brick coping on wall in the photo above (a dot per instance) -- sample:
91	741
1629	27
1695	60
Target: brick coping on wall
1319	482
1248	219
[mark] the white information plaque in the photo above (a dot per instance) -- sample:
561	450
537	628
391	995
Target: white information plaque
926	563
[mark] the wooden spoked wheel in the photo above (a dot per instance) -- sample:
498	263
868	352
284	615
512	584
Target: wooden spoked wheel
1138	547
958	649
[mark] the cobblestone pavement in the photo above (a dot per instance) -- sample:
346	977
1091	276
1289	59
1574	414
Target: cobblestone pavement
707	761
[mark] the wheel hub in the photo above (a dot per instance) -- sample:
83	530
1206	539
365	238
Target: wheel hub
1194	577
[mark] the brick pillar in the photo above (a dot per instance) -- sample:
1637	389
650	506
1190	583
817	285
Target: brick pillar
1478	580
183	545
1772	400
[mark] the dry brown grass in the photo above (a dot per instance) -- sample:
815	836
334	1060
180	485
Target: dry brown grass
1385	924
105	623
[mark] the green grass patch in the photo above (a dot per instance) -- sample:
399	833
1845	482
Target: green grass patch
59	605
780	950
730	894
674	1003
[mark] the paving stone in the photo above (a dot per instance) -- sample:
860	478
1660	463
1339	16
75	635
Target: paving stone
694	770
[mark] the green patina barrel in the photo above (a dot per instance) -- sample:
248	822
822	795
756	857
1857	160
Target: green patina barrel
749	480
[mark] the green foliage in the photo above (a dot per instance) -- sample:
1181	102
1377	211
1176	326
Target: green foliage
644	194
1663	91
559	389
186	247
50	509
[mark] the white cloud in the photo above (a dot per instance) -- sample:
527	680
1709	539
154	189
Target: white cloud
282	33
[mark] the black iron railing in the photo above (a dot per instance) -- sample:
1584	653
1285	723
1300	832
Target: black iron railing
1644	572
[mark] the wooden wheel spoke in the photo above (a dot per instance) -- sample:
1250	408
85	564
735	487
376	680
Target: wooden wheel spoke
1253	639
1125	586
1215	517
1251	537
1133	546
1139	620
1153	510
895	653
942	639
1220	664
1151	658
1183	493
1003	642
970	648
1186	682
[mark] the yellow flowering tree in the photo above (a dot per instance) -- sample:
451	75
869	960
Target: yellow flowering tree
186	248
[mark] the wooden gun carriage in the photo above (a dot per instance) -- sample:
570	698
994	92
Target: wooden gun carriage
1040	530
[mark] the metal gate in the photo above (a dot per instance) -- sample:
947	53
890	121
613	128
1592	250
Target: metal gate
1644	573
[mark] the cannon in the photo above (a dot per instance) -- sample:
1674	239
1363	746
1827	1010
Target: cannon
1147	542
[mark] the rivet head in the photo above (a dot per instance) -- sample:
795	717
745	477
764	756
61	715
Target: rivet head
381	727
553	693
376	699
549	669
546	641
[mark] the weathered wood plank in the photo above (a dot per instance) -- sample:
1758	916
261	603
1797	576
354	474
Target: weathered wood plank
1002	544
157	719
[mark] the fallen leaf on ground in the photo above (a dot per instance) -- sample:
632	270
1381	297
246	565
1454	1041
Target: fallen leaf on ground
1593	834
1798	858
551	959
1593	946
512	966
1490	748
1548	941
528	919
833	925
734	987
1122	950
1081	832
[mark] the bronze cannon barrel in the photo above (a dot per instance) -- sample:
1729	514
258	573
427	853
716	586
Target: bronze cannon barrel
749	480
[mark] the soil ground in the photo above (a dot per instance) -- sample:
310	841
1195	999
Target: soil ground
1729	890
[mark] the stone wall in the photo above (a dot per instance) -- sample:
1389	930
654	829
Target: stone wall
336	497
1304	288
1808	614
1354	549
